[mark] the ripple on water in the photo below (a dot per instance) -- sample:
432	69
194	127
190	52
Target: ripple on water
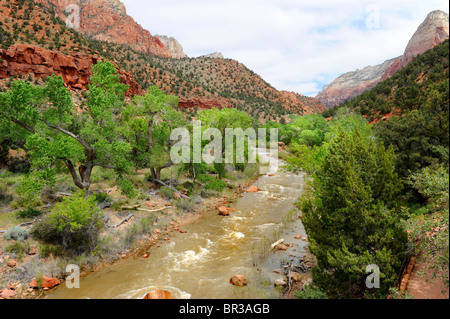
189	258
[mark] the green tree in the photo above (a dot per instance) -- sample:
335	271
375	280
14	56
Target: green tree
431	227
74	223
134	131
222	120
161	116
58	136
350	218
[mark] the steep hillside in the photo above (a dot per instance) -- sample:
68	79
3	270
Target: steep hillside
423	82
36	49
201	83
353	84
29	22
107	20
431	32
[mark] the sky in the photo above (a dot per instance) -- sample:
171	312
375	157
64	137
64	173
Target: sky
295	45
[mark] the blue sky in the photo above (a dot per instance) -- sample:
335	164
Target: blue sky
294	45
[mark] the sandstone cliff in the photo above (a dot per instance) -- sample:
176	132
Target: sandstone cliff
107	20
434	30
214	55
75	69
430	33
353	83
174	47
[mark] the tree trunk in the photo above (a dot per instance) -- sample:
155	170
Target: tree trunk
82	178
154	177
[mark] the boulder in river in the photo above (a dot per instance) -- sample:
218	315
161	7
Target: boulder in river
159	294
239	281
223	211
253	189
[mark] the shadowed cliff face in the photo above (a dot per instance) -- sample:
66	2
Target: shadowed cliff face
107	20
75	69
434	30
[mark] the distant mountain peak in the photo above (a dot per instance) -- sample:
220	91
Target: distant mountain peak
432	31
173	46
214	55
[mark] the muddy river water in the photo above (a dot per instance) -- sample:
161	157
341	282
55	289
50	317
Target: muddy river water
200	263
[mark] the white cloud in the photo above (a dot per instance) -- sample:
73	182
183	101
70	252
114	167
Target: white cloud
294	45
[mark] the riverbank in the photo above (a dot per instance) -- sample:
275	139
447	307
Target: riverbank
171	227
142	231
198	261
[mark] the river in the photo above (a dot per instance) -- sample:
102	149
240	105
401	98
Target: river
200	263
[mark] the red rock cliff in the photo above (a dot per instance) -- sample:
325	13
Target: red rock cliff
107	20
75	69
190	103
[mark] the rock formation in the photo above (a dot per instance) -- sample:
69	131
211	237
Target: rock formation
107	20
174	47
159	294
44	282
239	281
353	84
215	55
75	69
434	30
206	104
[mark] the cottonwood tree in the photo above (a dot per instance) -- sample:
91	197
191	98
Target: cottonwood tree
159	112
58	135
226	119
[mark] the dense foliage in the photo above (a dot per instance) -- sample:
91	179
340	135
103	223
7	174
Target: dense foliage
353	212
55	135
74	223
351	218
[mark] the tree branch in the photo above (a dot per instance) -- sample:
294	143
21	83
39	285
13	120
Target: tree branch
23	125
170	187
70	134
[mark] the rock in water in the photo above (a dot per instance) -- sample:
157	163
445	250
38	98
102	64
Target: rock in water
223	211
159	294
239	281
253	189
